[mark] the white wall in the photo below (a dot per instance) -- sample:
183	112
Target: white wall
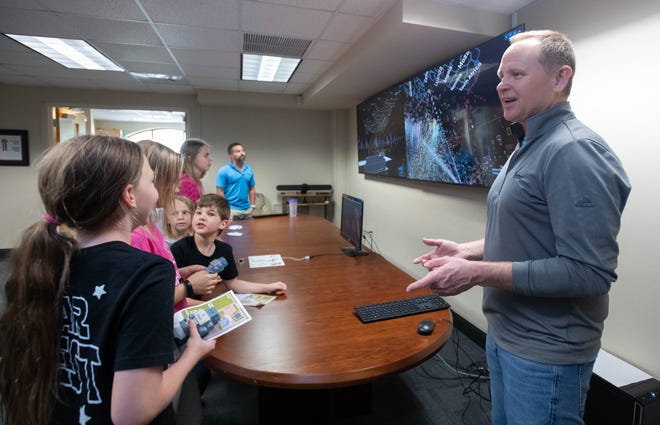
283	146
616	92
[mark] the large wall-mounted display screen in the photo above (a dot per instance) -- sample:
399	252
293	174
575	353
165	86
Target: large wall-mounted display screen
443	125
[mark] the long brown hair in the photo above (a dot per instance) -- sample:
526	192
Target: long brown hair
80	182
189	150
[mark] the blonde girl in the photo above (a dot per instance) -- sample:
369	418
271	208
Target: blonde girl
178	219
188	281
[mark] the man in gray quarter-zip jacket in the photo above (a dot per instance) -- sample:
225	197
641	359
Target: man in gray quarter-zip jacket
550	251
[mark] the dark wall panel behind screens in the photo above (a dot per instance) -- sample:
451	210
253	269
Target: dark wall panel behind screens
444	124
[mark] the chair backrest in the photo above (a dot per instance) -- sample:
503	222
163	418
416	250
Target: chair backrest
262	205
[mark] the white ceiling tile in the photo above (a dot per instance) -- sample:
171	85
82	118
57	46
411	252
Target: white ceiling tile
12	75
22	4
112	31
211	71
32	22
303	78
326	50
203	57
20	80
330	5
313	66
346	28
295	88
29	58
272	19
182	37
114	9
127	52
373	8
48	68
11	45
214	83
201	13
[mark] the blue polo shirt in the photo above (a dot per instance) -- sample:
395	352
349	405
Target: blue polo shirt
236	184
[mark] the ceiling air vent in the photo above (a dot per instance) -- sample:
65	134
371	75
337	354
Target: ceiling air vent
275	46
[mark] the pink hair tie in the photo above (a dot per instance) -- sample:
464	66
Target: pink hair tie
52	220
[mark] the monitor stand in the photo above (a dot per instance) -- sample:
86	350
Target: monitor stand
352	252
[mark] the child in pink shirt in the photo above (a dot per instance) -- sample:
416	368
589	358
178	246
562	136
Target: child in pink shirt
192	280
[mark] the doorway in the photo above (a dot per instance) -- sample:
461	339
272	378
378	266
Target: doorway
166	127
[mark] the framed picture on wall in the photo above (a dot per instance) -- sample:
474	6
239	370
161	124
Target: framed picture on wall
14	147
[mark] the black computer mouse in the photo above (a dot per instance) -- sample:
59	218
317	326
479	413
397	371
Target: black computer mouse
425	327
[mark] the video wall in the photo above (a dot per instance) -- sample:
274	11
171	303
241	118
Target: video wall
443	125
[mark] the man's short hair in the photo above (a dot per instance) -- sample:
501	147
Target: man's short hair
217	201
556	50
231	147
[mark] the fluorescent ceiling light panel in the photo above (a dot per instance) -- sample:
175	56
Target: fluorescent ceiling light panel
76	54
268	68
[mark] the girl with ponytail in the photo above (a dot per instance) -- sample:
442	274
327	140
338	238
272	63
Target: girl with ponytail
86	332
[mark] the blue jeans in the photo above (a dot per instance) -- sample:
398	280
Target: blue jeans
525	392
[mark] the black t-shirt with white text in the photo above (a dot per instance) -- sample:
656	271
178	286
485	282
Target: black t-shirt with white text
117	316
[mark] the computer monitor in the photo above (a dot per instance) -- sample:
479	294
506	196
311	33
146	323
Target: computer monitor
352	209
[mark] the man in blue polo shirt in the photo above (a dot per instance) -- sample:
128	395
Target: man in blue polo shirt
235	182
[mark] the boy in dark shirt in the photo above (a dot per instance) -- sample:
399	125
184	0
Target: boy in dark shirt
210	218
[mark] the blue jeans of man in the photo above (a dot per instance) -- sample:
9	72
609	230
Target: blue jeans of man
525	392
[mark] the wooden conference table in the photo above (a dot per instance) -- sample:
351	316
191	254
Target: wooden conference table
310	339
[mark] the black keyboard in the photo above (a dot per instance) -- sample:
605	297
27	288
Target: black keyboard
398	308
